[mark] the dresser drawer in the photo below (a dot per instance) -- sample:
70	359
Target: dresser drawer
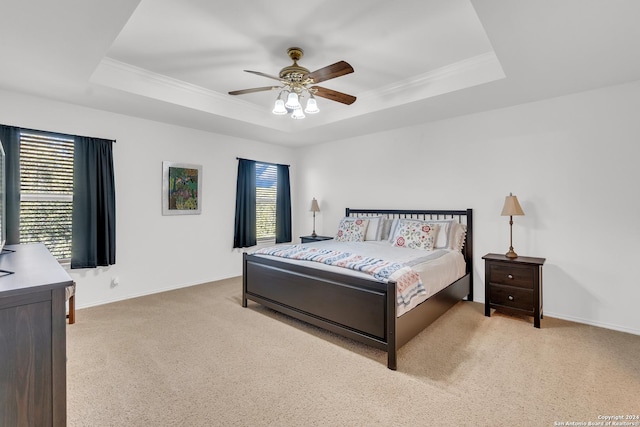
521	299
512	275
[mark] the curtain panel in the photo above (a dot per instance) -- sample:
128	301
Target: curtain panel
283	206
245	225
10	137
94	204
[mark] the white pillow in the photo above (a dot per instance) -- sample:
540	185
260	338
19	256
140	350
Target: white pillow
385	231
392	228
458	233
442	242
352	230
374	229
415	234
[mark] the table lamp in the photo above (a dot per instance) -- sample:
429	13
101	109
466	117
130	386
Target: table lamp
511	208
314	208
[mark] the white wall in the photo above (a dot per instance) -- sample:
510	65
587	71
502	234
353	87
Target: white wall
154	252
572	162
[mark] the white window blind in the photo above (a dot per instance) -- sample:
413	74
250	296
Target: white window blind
266	185
46	192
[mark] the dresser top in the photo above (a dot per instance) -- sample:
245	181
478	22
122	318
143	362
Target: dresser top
518	260
33	267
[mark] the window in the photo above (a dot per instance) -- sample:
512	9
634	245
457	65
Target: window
263	204
46	191
59	186
266	185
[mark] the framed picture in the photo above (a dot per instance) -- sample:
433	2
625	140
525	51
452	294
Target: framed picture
181	189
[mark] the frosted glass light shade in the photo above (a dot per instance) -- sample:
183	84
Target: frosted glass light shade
297	113
292	101
312	106
279	107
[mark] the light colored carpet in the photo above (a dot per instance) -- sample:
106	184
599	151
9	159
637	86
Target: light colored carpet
195	357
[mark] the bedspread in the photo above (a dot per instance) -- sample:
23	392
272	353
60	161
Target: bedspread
408	282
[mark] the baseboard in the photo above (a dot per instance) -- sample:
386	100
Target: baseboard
154	291
593	323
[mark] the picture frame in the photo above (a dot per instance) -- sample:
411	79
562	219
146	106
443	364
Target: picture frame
181	188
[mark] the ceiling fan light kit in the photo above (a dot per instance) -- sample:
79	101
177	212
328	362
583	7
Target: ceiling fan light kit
297	82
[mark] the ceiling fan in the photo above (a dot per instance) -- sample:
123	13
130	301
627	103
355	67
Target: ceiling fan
297	82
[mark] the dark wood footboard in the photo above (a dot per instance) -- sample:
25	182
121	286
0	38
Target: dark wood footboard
350	306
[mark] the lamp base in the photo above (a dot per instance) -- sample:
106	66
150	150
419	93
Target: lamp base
511	254
314	234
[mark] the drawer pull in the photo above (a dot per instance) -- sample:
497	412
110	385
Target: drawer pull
510	276
510	297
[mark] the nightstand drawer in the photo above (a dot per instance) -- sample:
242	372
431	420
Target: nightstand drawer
507	296
512	275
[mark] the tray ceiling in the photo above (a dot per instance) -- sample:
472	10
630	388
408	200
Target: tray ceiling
414	61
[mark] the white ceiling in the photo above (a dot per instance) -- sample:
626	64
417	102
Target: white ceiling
415	60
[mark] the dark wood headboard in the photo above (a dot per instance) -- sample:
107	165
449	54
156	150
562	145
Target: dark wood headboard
462	216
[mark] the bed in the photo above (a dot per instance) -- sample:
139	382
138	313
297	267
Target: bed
355	307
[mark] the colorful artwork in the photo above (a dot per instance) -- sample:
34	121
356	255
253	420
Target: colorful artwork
181	189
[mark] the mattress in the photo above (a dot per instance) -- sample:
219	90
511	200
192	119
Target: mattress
437	269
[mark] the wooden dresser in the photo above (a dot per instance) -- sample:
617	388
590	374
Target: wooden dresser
33	375
514	285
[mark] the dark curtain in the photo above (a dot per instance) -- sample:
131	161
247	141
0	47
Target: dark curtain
94	204
245	226
10	137
283	206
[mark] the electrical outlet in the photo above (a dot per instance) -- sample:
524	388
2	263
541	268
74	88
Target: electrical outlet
115	281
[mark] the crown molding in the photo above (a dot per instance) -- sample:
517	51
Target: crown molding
483	61
469	72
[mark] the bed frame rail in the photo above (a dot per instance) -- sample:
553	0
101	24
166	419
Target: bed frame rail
357	308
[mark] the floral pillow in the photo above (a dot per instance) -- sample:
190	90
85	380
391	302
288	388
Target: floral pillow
414	234
352	230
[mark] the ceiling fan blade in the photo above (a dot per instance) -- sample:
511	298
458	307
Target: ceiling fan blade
330	72
264	75
255	89
334	95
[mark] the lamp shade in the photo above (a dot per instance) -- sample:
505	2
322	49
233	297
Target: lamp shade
279	108
511	206
312	106
292	101
297	113
314	206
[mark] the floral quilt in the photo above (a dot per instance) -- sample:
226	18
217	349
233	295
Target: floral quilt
408	283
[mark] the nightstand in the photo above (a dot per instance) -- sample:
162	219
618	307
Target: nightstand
513	285
311	239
